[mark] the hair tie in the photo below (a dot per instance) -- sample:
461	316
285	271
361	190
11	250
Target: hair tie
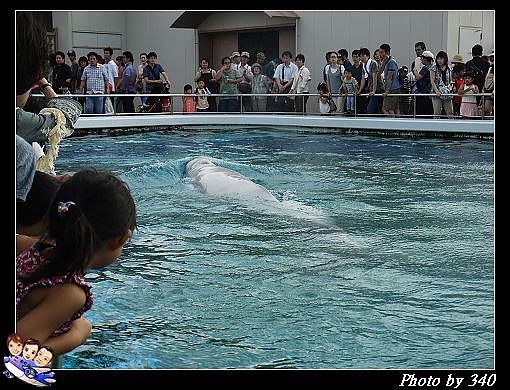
63	207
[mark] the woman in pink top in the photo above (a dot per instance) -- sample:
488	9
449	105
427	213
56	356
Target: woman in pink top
90	219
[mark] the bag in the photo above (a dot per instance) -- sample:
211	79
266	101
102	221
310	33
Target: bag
139	86
332	105
244	87
108	106
444	89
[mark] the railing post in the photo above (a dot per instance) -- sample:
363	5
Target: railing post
241	108
483	106
414	106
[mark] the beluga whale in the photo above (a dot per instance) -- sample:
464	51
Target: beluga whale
215	180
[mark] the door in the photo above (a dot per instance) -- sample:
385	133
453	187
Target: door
468	37
257	41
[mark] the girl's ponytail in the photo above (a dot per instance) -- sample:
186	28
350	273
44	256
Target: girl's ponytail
89	208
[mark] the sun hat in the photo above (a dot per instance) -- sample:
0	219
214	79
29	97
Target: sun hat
457	58
245	54
260	54
427	54
235	54
256	64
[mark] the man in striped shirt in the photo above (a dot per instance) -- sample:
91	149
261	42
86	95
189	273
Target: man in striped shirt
94	81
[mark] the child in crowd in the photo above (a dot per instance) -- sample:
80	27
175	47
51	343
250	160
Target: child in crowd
188	102
90	219
65	88
458	80
202	91
468	106
326	104
350	87
405	88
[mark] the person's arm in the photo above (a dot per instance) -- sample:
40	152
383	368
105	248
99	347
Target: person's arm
60	303
461	89
277	74
362	84
374	83
218	74
74	337
388	82
23	242
167	81
197	76
433	82
46	88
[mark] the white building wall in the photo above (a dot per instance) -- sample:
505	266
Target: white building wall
317	33
176	48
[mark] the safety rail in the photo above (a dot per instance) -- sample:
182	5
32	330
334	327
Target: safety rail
240	97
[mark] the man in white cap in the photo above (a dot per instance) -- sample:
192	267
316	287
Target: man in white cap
423	84
246	75
236	59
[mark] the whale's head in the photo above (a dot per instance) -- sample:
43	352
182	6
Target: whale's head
197	164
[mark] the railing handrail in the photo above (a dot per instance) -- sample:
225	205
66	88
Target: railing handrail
147	94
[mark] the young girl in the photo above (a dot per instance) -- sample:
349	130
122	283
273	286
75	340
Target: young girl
350	87
324	99
188	102
458	80
90	219
468	106
203	91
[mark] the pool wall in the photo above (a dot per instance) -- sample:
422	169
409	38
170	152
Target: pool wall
125	124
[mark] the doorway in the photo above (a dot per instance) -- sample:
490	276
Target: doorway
256	41
468	37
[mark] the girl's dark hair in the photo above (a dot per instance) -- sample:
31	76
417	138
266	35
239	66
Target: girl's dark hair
38	200
187	86
458	67
103	209
225	58
443	55
322	87
469	73
84	59
205	59
32	62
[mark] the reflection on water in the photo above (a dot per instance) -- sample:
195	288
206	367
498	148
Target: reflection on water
378	255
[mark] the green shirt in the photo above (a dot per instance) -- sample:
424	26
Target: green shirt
229	88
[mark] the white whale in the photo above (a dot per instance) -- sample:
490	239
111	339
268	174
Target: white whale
216	180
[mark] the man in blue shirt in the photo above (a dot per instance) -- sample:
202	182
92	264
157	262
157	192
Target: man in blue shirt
391	83
152	75
127	83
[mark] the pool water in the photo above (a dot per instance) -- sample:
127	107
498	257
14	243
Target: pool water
380	253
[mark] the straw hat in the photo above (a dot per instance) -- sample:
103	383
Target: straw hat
457	58
235	54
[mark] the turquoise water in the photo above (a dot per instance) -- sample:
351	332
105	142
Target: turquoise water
380	254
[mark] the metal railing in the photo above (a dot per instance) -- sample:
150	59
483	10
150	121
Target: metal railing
239	97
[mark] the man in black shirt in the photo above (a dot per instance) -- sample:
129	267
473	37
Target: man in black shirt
61	72
478	66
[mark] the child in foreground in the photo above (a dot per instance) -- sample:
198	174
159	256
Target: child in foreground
90	219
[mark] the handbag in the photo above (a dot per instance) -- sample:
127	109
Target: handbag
332	105
139	86
108	106
444	90
244	87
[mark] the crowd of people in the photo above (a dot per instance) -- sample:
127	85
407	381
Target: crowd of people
367	85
